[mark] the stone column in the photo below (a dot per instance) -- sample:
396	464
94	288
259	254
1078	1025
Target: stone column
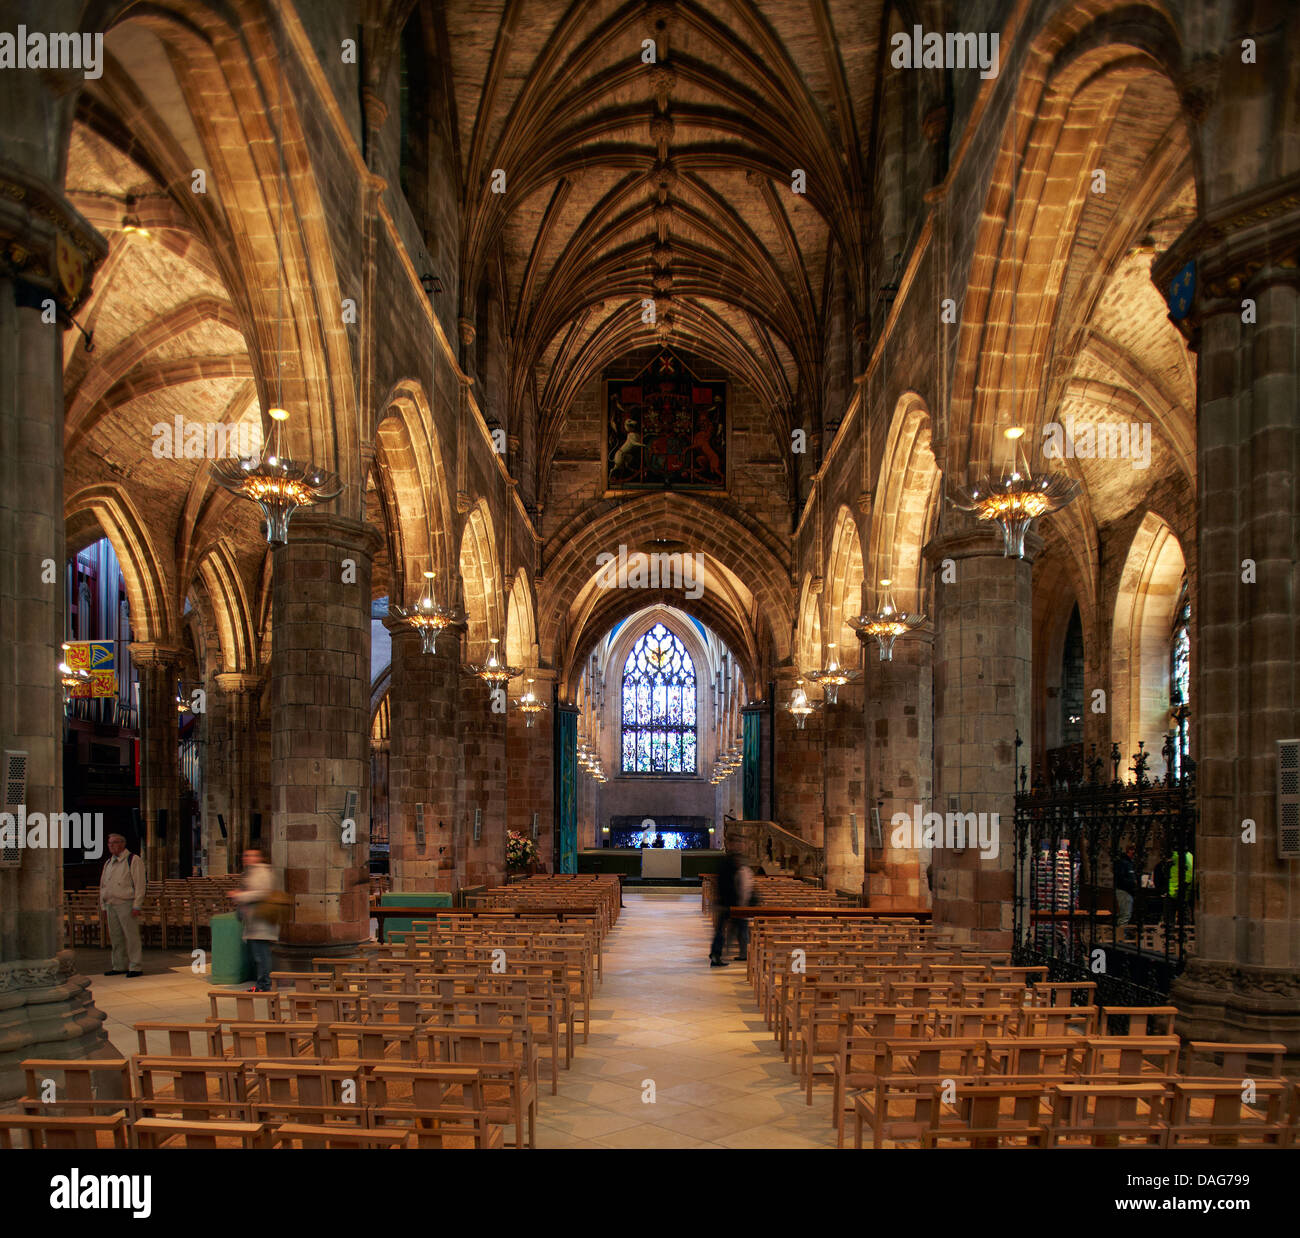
232	710
160	776
530	775
900	767
483	786
844	788
1243	980
424	757
320	721
982	685
799	791
45	1009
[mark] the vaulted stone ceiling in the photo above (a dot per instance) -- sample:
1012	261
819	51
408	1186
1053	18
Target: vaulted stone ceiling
628	181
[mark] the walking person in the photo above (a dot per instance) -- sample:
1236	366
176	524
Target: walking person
726	896
257	885
1126	887
122	888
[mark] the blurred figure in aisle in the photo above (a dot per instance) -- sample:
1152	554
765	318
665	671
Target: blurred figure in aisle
260	920
726	896
1126	887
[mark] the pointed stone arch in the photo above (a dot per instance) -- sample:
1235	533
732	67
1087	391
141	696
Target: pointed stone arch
1145	604
906	509
412	474
845	575
480	575
521	624
153	610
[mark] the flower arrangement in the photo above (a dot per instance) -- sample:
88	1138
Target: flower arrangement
521	851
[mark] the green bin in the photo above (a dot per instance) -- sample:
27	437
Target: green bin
402	924
232	960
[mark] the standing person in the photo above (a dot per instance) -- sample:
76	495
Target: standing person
726	897
1126	886
121	893
257	884
746	896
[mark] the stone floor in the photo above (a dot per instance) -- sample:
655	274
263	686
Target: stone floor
662	1016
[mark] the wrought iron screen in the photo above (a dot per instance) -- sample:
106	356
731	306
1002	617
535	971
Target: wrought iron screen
1073	866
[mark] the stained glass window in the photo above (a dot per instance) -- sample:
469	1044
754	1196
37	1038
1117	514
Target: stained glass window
1180	680
659	706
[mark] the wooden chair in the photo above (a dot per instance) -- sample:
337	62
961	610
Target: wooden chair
1130	1059
95	1085
368	1042
242	1005
509	1091
309	1092
1216	1115
204	1087
1234	1060
1097	1115
338	1135
442	1105
1058	1020
183	1039
267	1040
899	1108
172	1133
991	1115
65	1133
1142	1020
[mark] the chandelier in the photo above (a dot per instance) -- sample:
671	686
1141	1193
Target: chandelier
530	706
276	483
800	706
1017	498
72	678
887	624
427	617
494	672
832	677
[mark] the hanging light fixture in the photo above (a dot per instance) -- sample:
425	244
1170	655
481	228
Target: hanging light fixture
800	706
530	706
832	677
887	624
276	483
1016	498
428	617
494	672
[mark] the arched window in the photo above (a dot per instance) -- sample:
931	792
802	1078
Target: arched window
1180	679
659	706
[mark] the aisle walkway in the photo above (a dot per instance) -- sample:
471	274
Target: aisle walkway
664	1015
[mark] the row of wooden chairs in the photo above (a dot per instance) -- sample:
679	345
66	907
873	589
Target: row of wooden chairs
201	1102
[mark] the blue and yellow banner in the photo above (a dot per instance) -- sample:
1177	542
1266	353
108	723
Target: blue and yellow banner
100	659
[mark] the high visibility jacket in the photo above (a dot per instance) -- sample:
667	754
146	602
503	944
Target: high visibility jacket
1174	887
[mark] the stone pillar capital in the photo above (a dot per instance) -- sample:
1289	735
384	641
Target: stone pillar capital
326	528
44	240
153	655
978	539
233	682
